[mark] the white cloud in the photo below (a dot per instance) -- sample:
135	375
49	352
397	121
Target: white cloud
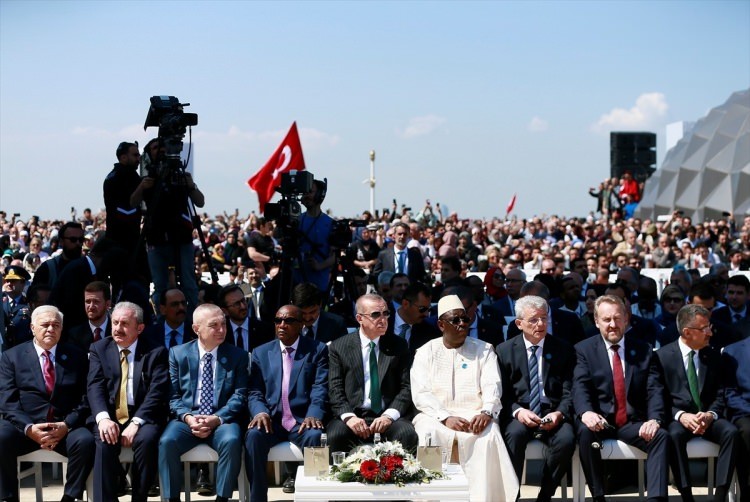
649	109
538	125
421	126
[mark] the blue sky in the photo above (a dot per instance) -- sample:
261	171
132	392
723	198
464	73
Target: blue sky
465	103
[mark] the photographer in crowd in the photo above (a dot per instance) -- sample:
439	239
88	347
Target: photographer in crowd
316	255
168	193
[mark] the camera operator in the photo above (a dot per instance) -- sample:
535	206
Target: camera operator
123	217
260	244
316	254
169	227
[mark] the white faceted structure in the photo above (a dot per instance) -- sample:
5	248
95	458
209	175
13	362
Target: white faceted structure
708	171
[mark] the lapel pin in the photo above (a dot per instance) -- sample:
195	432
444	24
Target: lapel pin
223	360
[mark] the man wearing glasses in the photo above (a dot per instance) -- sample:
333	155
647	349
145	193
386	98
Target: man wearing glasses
409	320
690	370
368	382
537	375
456	390
288	397
399	258
244	330
71	243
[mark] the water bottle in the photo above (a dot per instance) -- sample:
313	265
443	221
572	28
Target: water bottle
376	438
428	439
324	440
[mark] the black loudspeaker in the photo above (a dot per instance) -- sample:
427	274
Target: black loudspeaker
632	152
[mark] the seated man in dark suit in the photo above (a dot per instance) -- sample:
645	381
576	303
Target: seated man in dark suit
487	330
208	404
560	323
287	399
319	325
609	405
736	380
736	311
723	333
97	301
171	329
690	371
399	258
42	388
638	327
244	330
128	391
536	397
409	321
368	382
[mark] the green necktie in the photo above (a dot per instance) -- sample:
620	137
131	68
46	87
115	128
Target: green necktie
375	400
692	377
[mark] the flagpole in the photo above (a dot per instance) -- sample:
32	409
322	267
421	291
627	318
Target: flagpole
371	181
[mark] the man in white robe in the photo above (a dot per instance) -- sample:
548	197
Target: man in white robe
455	384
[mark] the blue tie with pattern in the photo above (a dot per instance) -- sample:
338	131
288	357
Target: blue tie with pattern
207	386
535	396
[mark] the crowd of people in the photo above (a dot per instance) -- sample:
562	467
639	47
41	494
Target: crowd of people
484	334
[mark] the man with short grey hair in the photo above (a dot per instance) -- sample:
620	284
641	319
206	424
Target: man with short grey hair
537	372
690	371
42	384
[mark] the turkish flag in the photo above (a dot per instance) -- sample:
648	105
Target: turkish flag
287	157
511	205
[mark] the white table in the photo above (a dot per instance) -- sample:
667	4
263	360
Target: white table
309	488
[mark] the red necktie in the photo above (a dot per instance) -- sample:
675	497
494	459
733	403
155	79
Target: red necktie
97	334
621	406
48	371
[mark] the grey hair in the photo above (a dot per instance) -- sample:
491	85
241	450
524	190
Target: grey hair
688	313
132	307
530	302
46	309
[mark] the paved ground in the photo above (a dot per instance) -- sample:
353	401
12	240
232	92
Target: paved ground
53	492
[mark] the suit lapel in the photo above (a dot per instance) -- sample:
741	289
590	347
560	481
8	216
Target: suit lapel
193	362
519	353
603	362
138	369
275	361
547	354
355	354
630	362
38	376
384	359
221	374
298	357
703	369
59	368
112	355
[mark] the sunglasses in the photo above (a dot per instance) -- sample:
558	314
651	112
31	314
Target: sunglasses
376	315
674	300
456	321
74	239
288	320
423	309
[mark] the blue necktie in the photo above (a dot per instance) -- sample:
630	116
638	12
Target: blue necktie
206	405
402	261
535	396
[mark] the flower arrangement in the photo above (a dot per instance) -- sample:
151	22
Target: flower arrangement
380	463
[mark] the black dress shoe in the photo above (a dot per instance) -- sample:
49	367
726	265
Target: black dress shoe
205	489
154	491
288	486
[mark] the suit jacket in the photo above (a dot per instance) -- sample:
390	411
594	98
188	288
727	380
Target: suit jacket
83	337
724	315
490	331
565	325
259	332
503	306
674	379
387	263
593	387
491	312
230	383
346	375
150	380
330	327
156	333
308	381
23	397
421	332
558	361
641	328
736	379
67	294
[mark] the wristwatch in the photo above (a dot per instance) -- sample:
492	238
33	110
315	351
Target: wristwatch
485	412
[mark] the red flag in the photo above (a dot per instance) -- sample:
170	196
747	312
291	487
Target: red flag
511	204
287	157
